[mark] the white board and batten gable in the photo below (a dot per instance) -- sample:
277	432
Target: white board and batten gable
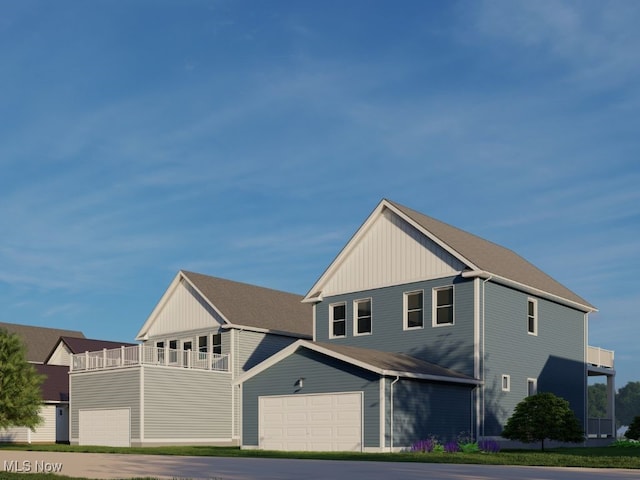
181	309
387	250
61	355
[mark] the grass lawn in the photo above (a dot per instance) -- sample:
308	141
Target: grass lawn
602	457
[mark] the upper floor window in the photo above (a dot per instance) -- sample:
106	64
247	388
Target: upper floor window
362	317
337	320
443	306
532	386
532	316
506	383
217	344
203	346
413	309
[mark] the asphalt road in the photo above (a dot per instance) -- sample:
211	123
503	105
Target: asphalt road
109	466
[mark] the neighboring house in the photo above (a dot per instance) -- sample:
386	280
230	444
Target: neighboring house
176	387
39	342
65	347
421	329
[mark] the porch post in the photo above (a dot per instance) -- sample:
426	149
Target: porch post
611	403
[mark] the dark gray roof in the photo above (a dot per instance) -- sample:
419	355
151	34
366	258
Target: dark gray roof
253	306
38	340
400	363
81	345
491	257
55	387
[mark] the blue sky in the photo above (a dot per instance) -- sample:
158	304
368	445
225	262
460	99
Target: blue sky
249	140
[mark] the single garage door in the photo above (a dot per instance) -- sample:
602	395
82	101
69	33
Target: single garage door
106	426
322	422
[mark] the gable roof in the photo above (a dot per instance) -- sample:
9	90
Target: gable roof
241	305
483	258
55	387
81	345
39	340
382	363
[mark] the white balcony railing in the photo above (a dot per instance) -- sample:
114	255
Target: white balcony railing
599	357
144	355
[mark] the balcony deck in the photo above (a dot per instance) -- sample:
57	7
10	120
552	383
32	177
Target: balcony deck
125	357
599	357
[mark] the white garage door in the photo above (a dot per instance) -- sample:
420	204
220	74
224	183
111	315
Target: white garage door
108	427
323	422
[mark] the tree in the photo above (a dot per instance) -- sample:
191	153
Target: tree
628	403
597	400
543	416
633	432
20	395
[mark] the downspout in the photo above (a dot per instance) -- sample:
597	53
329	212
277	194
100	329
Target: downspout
391	404
484	287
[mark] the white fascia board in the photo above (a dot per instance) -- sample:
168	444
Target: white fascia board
143	333
435	378
315	293
229	326
272	360
350	245
528	289
282	354
431	236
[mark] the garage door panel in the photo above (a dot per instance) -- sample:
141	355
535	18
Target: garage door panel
105	427
315	422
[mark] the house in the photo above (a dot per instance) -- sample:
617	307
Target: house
177	385
38	342
421	329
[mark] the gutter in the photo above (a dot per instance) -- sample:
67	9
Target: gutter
527	289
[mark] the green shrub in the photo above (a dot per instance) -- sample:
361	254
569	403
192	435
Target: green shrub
633	432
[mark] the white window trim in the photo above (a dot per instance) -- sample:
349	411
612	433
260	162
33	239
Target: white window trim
405	309
506	383
331	306
434	306
355	317
535	316
533	381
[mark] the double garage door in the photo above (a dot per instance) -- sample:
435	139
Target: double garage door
322	422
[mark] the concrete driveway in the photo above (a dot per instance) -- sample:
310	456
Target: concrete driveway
99	466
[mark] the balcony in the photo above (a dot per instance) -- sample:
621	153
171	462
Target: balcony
599	357
125	357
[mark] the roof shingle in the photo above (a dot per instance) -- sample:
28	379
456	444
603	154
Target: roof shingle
252	306
39	340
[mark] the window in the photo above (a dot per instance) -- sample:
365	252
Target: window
203	346
532	316
362	317
187	346
413	307
173	351
443	306
217	344
338	320
506	383
160	351
532	386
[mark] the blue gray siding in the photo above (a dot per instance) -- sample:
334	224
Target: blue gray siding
423	410
450	346
555	356
105	389
322	374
